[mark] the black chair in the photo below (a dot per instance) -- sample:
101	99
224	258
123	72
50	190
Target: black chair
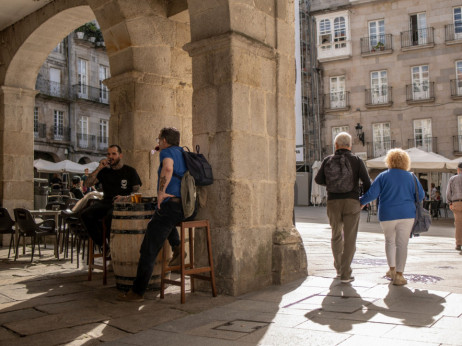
27	227
6	226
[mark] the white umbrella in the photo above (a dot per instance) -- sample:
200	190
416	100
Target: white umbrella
452	165
65	166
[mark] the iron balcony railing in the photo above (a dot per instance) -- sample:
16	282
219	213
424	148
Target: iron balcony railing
376	44
338	100
40	130
379	148
414	38
453	32
86	92
379	96
426	144
456	88
49	88
60	133
457	142
420	92
86	141
102	143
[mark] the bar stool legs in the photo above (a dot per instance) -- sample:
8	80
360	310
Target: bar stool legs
92	256
189	268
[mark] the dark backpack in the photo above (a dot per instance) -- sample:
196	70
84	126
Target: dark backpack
339	174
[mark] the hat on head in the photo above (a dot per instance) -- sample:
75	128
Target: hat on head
459	165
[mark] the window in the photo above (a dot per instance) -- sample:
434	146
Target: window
103	92
381	136
379	87
337	92
420	82
58	129
36	125
59	48
458	22
82	135
333	38
82	77
376	33
459	78
418	27
103	134
459	131
335	131
340	32
55	81
325	34
423	134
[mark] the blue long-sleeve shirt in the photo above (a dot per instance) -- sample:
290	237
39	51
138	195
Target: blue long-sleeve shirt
395	189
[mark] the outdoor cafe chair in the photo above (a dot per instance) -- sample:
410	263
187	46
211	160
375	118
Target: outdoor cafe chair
6	226
27	227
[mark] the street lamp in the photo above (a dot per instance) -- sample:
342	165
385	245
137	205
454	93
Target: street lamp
360	133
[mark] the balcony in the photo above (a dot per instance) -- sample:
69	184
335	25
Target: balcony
40	131
334	51
428	144
86	141
102	143
339	101
456	89
60	133
86	92
420	92
379	97
453	34
52	89
422	38
376	45
379	148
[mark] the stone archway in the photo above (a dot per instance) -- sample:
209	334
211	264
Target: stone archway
224	76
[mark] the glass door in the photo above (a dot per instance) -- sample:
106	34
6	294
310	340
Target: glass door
420	83
337	92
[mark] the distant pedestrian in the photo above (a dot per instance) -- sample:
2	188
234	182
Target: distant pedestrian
340	173
454	198
396	212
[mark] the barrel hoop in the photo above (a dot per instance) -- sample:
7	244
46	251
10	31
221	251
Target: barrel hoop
128	231
131	217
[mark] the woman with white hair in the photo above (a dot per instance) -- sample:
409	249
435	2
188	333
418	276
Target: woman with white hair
396	190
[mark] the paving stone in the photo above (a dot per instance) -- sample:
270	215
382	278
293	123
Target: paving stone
450	323
19	315
424	335
369	340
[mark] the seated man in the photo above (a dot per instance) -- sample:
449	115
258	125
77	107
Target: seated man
76	191
118	182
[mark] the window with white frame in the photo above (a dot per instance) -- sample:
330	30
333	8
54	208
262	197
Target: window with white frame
82	135
333	35
418	28
58	128
376	33
82	71
420	82
458	22
337	92
459	132
103	133
36	125
423	134
379	87
103	91
340	35
459	77
325	34
335	131
381	137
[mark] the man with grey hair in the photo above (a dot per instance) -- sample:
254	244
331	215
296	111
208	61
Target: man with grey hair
454	197
340	173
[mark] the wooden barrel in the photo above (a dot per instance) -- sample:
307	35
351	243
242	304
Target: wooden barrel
129	223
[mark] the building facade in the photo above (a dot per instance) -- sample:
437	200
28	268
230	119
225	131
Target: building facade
391	74
71	114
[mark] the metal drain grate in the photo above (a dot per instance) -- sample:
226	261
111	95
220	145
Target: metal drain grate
242	326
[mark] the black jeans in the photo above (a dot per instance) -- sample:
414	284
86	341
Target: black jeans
161	227
92	217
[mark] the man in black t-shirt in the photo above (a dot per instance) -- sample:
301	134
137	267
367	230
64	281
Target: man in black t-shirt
118	182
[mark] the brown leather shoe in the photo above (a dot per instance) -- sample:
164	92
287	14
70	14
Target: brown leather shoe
130	296
399	280
459	247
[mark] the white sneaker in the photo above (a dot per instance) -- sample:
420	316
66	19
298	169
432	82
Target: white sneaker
350	279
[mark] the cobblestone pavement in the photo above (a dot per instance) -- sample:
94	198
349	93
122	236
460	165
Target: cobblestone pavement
50	302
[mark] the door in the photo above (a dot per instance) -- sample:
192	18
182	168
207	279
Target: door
420	83
379	87
83	132
458	23
337	92
459	78
82	78
381	136
418	27
423	134
103	92
55	81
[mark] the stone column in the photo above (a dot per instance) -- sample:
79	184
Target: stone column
17	147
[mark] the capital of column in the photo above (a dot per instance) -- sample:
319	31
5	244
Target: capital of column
231	38
7	90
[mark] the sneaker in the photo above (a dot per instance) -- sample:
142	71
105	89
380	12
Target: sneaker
350	279
130	296
459	247
175	261
399	280
391	274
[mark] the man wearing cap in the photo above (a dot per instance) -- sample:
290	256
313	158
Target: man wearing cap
454	197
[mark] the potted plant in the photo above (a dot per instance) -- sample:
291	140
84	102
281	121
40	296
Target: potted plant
380	46
89	30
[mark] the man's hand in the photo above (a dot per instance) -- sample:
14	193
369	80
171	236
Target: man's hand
103	163
161	196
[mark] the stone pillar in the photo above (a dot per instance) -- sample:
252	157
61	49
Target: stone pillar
17	147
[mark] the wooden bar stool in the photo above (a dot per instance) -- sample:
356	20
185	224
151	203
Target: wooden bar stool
189	269
92	255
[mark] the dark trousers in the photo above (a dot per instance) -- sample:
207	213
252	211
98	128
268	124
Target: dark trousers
160	228
92	220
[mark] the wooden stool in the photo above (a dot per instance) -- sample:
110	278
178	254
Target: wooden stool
92	255
188	269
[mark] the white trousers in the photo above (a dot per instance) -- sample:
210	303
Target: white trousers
397	234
